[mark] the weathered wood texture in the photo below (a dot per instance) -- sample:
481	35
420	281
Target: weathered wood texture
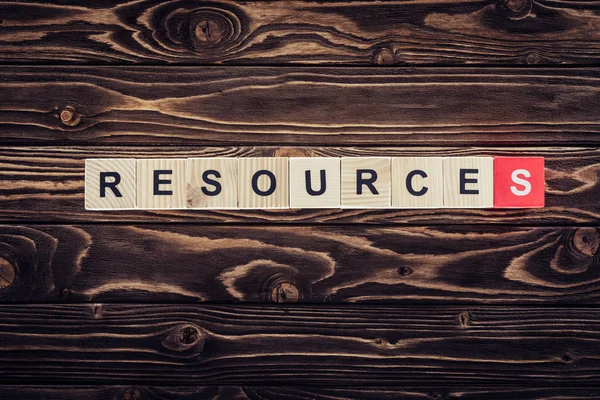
322	106
47	185
183	263
324	32
182	345
138	392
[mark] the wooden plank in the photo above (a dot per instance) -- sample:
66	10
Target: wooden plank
309	264
185	105
299	32
139	392
46	185
191	344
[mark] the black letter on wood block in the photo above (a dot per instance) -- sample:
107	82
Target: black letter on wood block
360	181
271	188
464	181
309	189
158	182
409	187
111	185
217	190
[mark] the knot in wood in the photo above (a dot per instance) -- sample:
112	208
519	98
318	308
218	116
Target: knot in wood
464	319
405	271
567	357
189	335
65	293
383	56
97	311
7	273
516	9
69	117
284	292
183	338
206	30
131	393
435	396
586	241
533	58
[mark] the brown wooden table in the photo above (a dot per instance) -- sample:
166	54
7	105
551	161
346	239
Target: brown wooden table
298	304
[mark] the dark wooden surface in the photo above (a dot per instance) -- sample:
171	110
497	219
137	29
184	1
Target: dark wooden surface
50	181
392	304
442	32
349	345
316	106
138	392
307	264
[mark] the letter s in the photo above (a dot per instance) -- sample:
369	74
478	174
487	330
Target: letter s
520	181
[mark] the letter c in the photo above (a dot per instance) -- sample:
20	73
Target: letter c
409	187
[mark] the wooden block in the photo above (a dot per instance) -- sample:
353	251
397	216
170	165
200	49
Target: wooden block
315	182
417	182
366	182
263	183
519	182
110	184
212	183
161	183
468	182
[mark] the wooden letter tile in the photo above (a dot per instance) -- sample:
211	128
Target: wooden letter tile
468	182
366	182
315	182
212	183
263	183
110	184
161	183
519	182
417	182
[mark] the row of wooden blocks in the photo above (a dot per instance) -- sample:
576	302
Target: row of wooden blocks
347	182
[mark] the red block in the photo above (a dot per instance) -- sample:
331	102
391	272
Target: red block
518	182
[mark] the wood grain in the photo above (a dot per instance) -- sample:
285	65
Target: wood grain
174	183
230	264
138	392
380	196
439	32
323	180
430	185
46	185
322	106
191	344
484	178
259	197
125	195
197	187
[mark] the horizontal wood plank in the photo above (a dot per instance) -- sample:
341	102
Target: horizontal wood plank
441	32
183	263
191	344
138	392
47	185
323	106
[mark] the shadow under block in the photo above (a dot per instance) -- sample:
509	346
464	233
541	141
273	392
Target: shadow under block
212	183
263	183
417	182
468	182
110	184
315	182
366	182
161	183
